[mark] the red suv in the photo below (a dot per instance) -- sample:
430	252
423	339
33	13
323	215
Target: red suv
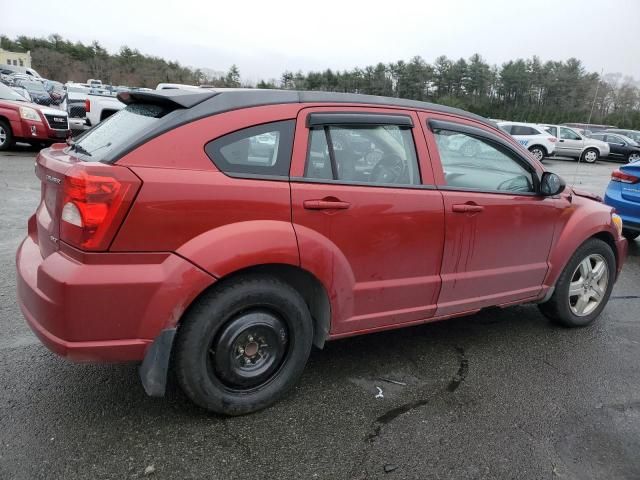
229	231
23	121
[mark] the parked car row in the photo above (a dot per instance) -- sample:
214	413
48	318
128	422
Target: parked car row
544	140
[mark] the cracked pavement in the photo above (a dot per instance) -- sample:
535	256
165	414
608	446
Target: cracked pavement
501	394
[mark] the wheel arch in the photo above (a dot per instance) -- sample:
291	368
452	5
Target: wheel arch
539	145
567	251
609	239
304	282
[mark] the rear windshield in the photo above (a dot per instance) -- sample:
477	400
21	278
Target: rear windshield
116	131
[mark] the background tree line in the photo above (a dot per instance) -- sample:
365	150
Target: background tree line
522	89
62	60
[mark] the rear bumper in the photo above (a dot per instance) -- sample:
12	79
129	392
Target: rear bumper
103	306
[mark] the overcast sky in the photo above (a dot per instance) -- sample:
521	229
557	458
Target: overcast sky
266	38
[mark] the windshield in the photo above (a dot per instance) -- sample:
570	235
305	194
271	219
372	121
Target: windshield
7	93
117	130
33	86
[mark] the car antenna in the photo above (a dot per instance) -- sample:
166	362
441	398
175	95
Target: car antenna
593	104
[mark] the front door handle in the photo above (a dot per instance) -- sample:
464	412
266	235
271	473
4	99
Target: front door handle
325	205
467	208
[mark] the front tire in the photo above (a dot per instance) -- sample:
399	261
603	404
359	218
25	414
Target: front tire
242	346
538	152
6	136
590	155
584	286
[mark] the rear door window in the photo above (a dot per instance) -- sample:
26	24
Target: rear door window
260	150
376	154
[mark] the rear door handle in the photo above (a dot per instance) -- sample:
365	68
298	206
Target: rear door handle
325	205
465	208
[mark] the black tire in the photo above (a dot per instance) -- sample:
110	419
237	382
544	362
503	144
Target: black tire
629	235
538	152
558	308
590	155
6	136
209	353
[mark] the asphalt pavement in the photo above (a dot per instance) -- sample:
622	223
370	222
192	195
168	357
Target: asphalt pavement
502	394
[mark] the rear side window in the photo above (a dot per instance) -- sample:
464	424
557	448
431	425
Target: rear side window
523	130
117	130
260	150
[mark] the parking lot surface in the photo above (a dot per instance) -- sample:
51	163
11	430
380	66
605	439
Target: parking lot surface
501	394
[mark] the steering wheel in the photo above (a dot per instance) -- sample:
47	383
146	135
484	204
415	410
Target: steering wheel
516	184
390	169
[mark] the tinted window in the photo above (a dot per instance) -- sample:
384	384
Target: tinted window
613	139
552	130
260	150
523	130
471	162
381	154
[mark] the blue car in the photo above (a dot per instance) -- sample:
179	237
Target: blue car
623	194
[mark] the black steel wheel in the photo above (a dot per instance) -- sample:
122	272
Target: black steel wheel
243	345
249	349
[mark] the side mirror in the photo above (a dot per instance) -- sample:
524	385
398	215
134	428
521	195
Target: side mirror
551	184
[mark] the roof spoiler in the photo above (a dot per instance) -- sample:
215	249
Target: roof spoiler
170	98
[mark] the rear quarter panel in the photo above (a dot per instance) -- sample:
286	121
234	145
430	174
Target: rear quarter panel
186	205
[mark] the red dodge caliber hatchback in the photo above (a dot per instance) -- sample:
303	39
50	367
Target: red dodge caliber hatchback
229	231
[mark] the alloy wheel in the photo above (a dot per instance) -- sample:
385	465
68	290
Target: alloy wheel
3	135
588	285
633	157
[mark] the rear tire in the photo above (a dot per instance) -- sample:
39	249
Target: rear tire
6	136
538	152
573	303
242	346
590	155
629	235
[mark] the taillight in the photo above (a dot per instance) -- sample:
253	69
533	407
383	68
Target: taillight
619	176
552	139
94	203
87	105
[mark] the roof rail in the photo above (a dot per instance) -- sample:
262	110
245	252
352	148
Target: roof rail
170	98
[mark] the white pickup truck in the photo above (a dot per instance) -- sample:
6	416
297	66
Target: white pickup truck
101	106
